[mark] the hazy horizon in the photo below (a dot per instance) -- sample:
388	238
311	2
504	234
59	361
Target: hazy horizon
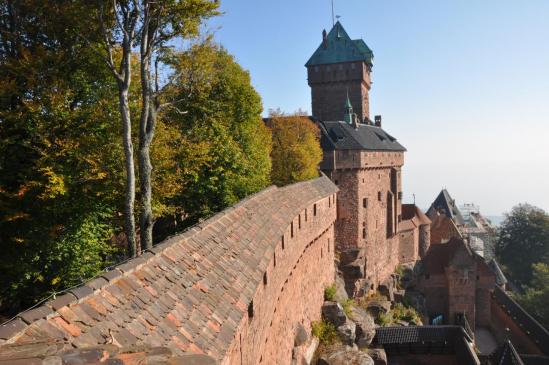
462	85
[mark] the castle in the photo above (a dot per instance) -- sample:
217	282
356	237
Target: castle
246	285
365	162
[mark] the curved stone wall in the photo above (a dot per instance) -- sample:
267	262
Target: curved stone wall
234	287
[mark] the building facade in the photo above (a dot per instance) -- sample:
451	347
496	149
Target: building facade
362	159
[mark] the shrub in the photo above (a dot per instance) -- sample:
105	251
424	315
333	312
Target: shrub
384	319
330	292
324	331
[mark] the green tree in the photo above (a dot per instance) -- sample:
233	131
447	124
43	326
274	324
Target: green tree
59	162
537	295
523	240
296	148
224	146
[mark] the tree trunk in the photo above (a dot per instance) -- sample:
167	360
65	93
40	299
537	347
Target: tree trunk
129	225
145	175
146	133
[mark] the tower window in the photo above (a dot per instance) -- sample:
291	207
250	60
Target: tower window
251	309
363	232
265	278
365	202
299	221
379	195
282	241
305	214
314	210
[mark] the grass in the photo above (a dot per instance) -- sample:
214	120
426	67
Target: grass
325	332
330	293
399	313
347	305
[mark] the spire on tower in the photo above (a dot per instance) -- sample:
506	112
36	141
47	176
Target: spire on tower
348	117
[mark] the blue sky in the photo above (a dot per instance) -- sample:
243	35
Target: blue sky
463	84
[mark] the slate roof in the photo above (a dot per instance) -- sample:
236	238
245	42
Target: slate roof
187	294
506	354
417	334
343	136
341	48
444	204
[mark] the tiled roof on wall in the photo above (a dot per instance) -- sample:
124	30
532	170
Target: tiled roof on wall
187	294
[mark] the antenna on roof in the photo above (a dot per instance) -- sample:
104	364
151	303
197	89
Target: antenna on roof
333	19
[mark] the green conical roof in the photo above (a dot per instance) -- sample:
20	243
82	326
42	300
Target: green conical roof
341	48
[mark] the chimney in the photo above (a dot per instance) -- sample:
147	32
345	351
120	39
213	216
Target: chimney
378	121
324	39
355	121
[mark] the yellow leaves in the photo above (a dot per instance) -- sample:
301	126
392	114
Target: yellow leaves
55	280
55	185
16	216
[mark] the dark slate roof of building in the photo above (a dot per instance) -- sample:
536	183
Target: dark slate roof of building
418	334
188	293
506	354
341	48
444	204
343	136
500	277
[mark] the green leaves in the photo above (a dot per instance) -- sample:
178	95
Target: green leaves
523	240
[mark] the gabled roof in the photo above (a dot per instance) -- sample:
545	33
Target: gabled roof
444	204
343	136
341	48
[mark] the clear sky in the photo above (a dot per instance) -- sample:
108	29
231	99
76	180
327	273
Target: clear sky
463	84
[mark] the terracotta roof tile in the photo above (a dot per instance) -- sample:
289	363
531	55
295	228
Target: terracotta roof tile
189	292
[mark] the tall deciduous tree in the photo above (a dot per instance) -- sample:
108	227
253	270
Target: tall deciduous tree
120	34
523	241
163	22
296	148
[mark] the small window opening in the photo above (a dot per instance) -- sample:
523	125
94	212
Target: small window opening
379	195
329	202
328	245
292	229
314	210
299	221
336	182
251	309
274	259
365	202
321	253
363	232
265	278
282	241
305	214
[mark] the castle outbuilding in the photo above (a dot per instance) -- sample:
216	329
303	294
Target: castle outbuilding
363	160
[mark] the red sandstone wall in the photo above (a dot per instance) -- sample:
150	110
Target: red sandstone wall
503	327
409	245
330	85
364	180
294	292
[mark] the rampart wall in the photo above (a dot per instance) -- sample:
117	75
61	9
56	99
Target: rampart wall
234	288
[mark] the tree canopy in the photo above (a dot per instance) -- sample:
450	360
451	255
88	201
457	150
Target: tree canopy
523	241
62	177
296	148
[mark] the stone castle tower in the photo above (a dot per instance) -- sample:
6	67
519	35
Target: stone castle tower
338	66
364	161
